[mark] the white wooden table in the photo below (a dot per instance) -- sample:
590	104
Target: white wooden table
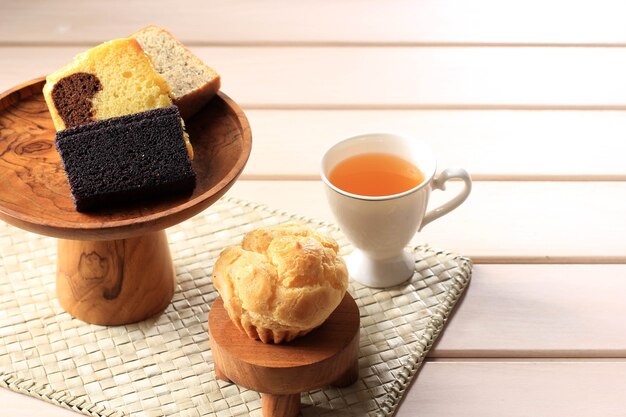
528	96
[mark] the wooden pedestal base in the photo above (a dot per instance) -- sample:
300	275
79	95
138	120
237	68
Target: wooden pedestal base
112	282
326	356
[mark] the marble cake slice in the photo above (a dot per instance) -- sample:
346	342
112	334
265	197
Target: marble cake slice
126	158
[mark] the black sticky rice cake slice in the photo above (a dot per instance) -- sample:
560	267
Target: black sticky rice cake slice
126	158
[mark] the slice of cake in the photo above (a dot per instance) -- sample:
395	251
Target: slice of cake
193	83
126	158
113	79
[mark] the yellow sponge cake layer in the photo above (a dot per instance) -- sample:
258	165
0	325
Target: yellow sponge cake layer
113	79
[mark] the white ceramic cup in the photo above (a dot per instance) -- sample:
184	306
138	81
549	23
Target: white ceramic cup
381	227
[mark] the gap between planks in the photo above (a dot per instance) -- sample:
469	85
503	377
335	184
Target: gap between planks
475	177
528	359
430	106
337	44
550	260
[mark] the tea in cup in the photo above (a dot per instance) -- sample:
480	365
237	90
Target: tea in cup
378	186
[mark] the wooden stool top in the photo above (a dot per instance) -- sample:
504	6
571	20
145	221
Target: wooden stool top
309	362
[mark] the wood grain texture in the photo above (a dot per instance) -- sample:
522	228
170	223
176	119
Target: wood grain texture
495	389
322	357
501	222
360	78
34	193
333	22
115	282
572	145
544	311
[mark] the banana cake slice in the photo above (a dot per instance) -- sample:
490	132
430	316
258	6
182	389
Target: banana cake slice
193	83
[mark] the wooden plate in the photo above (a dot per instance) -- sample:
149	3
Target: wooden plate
35	196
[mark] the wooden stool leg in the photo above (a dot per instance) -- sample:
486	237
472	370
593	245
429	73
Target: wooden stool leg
350	376
280	405
219	373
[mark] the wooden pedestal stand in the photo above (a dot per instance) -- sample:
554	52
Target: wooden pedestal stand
326	356
113	265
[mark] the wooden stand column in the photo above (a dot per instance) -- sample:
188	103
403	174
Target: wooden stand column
326	356
113	282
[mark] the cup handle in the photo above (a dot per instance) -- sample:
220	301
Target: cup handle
439	183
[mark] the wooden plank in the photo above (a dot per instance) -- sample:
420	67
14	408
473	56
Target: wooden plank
544	311
517	389
276	21
501	222
466	389
546	144
20	405
372	78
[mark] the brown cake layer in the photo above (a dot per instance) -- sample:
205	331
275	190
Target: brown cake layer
72	97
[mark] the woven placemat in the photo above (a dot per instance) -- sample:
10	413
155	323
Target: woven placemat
163	366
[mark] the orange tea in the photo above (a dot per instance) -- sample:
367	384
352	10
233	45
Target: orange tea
375	174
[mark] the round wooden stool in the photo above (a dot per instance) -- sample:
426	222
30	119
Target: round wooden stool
326	356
